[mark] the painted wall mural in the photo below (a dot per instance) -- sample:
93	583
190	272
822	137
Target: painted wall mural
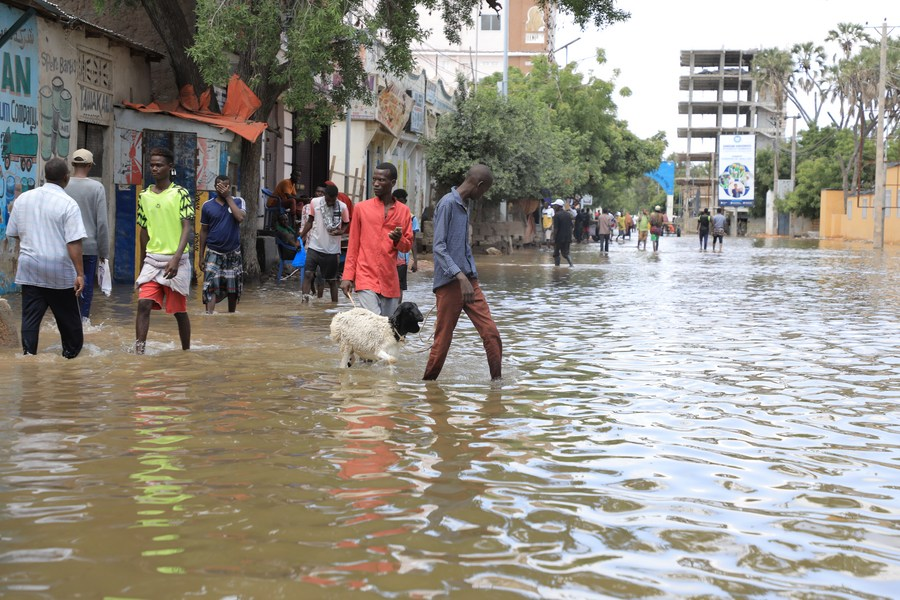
18	126
128	157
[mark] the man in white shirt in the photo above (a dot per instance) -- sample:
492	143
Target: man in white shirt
547	222
326	223
47	224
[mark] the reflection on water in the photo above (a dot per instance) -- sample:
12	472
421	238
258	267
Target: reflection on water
679	424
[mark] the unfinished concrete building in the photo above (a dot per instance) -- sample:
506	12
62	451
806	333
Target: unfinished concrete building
721	97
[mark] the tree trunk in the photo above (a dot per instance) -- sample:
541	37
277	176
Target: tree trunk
174	30
249	170
251	153
845	178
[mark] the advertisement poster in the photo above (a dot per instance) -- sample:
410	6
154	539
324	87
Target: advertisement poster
18	123
393	109
737	154
209	163
417	117
128	157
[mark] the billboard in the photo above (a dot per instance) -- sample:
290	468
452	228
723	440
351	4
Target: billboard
20	126
737	170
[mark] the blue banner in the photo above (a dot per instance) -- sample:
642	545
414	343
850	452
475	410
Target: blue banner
664	176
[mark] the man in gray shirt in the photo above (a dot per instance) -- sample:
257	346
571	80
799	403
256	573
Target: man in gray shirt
455	278
718	226
91	198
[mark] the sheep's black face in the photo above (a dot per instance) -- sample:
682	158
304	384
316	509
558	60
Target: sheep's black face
406	318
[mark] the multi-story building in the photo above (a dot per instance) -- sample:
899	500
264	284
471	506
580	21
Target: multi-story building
722	98
480	53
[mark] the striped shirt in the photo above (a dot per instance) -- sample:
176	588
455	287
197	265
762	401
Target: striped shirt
452	253
45	220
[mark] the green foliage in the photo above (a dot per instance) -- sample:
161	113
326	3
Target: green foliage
813	176
307	52
516	137
555	132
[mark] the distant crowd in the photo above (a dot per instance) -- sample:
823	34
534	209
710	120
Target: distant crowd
564	222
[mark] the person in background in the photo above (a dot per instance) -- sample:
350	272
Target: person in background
718	227
165	215
47	224
288	193
620	225
381	227
657	220
91	198
455	285
284	232
703	224
220	246
327	221
643	227
604	230
547	223
407	260
562	232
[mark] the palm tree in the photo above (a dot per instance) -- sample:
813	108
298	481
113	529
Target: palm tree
809	66
848	36
773	73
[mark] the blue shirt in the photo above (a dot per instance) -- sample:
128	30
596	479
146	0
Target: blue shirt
403	257
224	233
452	253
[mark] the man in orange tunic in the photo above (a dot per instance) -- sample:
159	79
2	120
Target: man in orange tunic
380	228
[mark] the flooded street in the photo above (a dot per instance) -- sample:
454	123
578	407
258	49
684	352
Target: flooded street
668	425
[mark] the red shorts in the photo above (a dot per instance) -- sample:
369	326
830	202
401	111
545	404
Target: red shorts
174	302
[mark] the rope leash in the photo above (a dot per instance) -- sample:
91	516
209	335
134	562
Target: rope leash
426	342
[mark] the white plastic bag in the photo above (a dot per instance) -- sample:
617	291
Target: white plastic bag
104	277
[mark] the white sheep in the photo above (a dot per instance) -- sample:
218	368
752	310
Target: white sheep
361	334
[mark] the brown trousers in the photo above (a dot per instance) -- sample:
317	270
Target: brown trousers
449	306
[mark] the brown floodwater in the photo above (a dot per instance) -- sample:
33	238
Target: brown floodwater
679	424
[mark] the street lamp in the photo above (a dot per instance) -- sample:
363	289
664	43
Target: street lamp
565	46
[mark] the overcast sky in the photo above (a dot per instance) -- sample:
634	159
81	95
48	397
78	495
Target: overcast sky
646	47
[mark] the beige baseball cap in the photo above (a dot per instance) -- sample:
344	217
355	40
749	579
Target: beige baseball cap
83	157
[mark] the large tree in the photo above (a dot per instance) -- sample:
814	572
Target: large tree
306	53
555	134
516	137
843	87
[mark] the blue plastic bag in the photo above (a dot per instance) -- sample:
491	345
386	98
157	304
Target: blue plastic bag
300	256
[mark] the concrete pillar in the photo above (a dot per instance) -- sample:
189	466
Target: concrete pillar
771	216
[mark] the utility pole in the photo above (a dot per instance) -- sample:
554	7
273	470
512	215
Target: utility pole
506	50
878	205
794	152
771	214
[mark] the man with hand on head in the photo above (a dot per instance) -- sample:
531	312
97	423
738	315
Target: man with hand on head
91	198
456	286
220	246
381	227
47	224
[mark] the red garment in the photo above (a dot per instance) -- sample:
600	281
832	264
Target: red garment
371	262
449	307
346	200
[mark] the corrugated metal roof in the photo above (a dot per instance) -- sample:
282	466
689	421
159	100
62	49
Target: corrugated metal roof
50	10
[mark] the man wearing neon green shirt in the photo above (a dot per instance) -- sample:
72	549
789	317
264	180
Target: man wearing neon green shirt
165	215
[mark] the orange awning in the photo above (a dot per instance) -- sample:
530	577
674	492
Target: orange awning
240	104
